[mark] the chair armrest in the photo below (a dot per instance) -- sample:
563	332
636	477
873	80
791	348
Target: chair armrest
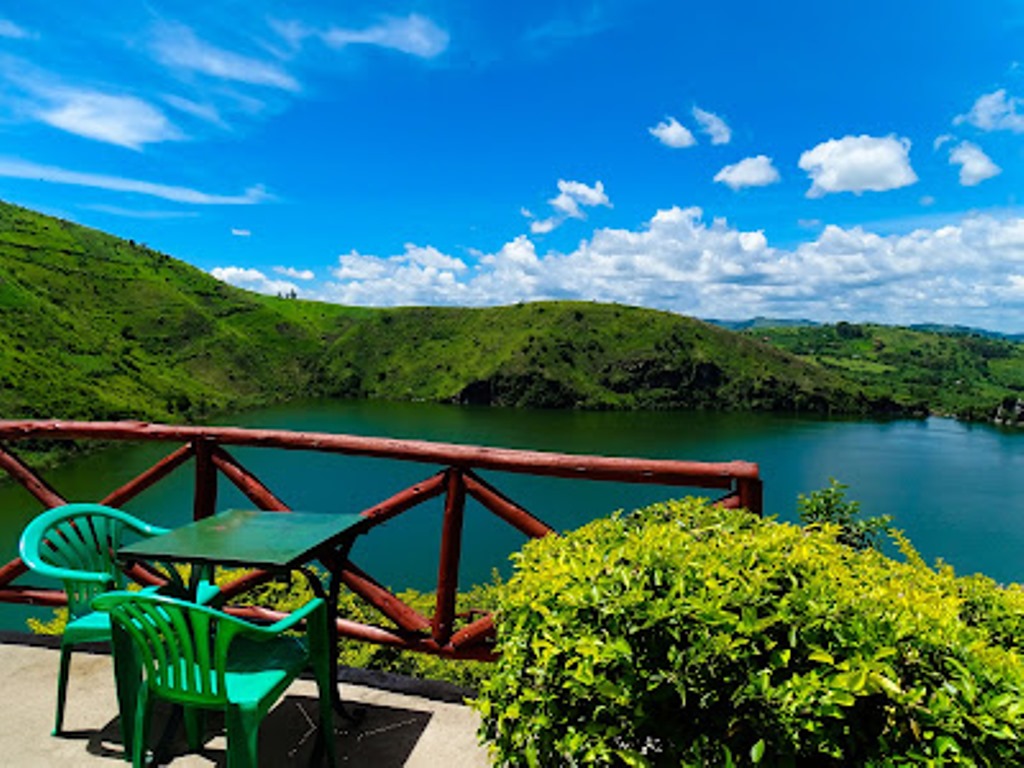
64	574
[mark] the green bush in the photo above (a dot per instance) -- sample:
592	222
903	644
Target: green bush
687	634
830	505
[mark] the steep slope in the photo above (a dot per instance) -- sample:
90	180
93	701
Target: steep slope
93	326
576	354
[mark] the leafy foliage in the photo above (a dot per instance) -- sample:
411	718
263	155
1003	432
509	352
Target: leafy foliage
830	505
687	634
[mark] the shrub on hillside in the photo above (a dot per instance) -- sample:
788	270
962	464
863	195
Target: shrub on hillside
687	634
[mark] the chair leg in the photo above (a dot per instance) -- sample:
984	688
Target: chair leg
62	686
128	681
243	732
327	725
194	727
320	661
143	710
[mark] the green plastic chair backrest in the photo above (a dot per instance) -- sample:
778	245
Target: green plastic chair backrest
183	646
78	543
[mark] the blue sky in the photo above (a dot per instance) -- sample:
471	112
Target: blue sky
730	159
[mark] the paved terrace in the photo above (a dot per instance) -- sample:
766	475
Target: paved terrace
408	722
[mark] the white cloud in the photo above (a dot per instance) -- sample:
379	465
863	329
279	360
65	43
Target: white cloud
940	140
927	200
749	172
206	112
713	126
241	232
421	275
995	112
858	164
414	34
543	226
254	280
975	165
571	195
115	119
21	169
681	262
12	31
295	274
178	47
670	133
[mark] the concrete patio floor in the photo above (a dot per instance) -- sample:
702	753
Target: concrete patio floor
407	722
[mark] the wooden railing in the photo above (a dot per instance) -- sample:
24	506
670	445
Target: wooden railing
438	634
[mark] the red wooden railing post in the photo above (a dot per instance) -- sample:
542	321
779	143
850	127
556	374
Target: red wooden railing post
451	548
751	494
205	499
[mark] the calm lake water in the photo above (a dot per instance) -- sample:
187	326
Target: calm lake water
957	490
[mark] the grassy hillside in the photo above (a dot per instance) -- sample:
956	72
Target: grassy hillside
96	327
576	354
969	375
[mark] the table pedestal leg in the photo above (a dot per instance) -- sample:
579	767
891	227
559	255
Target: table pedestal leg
333	564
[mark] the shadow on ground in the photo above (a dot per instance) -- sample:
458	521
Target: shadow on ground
383	738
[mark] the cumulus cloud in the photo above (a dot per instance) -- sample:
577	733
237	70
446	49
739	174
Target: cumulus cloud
713	126
858	164
414	34
254	280
975	165
420	275
567	204
543	226
573	194
672	134
295	274
21	169
970	272
749	172
995	112
177	46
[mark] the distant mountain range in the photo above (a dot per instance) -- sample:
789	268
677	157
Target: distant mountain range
96	327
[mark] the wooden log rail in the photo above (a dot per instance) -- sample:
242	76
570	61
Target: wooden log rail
442	633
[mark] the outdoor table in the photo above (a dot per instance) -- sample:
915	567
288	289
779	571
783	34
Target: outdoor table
274	541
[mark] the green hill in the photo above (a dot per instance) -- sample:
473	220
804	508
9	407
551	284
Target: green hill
97	327
954	371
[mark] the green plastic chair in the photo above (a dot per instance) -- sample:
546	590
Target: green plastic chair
202	658
77	544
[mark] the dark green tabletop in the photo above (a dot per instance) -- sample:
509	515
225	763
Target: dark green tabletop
247	537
